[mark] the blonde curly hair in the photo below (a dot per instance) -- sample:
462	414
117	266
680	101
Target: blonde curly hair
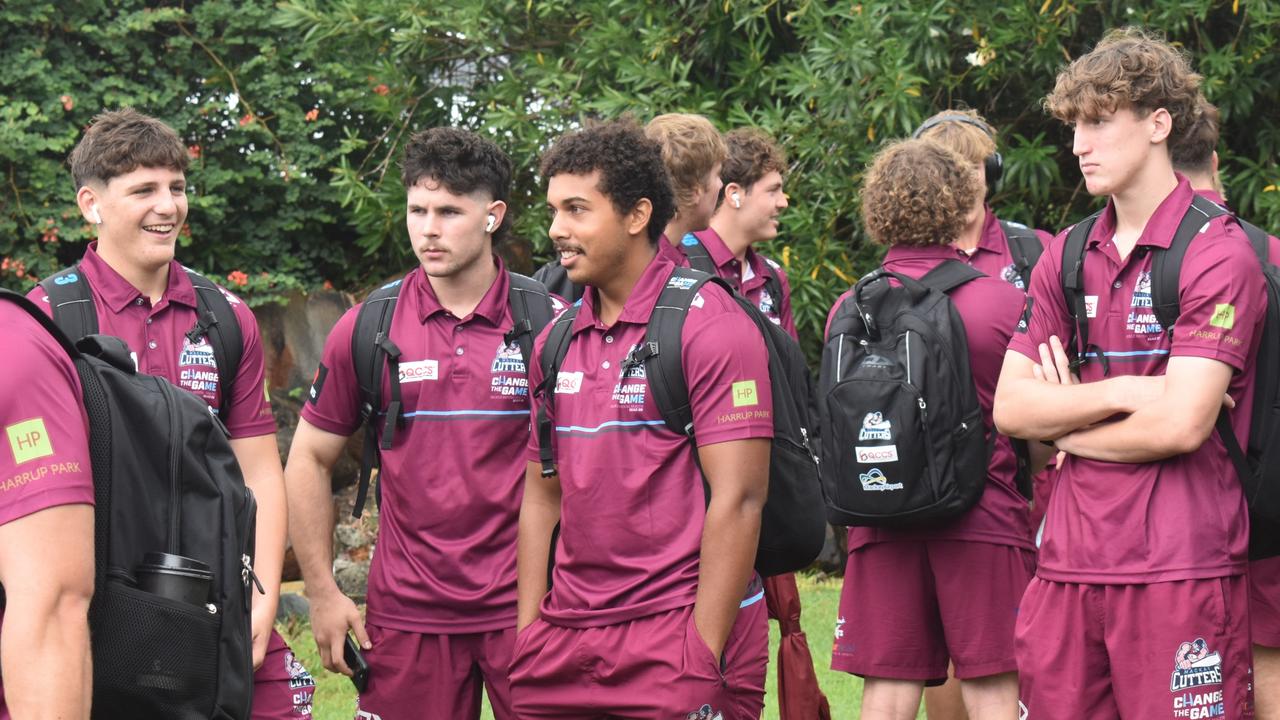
917	193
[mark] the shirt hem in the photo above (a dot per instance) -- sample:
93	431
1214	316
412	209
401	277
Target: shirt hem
613	616
429	628
1148	578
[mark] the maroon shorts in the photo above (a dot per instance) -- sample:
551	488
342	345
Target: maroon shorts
407	669
1165	650
652	667
1264	601
908	607
282	687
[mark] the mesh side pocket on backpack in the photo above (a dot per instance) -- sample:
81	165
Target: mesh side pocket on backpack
152	657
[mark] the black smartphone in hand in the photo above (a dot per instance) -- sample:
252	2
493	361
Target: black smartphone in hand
355	660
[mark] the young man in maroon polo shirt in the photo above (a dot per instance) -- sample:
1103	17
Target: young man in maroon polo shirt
1140	604
442	588
129	171
1195	157
948	592
654	609
46	527
693	152
750	202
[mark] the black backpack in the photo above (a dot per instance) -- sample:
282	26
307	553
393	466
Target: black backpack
74	312
165	480
1257	464
792	526
1025	247
372	350
556	279
903	439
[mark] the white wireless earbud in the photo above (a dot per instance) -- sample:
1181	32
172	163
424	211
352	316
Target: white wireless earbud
93	215
493	221
737	200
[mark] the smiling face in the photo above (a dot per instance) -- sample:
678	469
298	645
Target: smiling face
447	229
593	239
1114	148
141	213
761	205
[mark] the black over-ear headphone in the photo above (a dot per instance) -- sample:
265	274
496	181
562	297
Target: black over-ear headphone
993	165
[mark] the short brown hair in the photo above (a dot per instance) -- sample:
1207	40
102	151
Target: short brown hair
121	141
1193	151
752	154
917	193
973	142
1129	69
691	148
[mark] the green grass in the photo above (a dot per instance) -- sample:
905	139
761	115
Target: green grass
335	698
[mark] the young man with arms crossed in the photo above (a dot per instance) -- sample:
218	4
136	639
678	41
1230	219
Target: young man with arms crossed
948	591
129	171
46	527
1195	157
750	202
1140	606
654	609
442	588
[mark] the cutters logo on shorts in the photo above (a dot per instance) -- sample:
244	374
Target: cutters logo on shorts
874	481
875	427
198	370
509	374
1011	275
1193	666
301	682
1142	319
704	713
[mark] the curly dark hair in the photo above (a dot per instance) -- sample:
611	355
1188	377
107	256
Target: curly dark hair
121	141
917	193
1131	68
463	162
629	163
1194	150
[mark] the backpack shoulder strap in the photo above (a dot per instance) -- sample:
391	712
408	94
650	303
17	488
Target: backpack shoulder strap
556	279
550	360
530	312
217	321
949	275
371	351
699	257
1260	240
1166	265
1025	247
661	351
72	302
1072	279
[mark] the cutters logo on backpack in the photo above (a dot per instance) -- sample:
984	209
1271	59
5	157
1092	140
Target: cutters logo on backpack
875	427
875	481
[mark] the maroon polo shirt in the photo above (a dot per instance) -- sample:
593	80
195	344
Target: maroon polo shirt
672	253
632	507
451	484
749	279
993	257
1183	517
44	461
157	336
990	309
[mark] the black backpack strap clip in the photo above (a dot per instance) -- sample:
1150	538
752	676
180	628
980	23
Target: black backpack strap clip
550	360
1025	247
1072	279
216	320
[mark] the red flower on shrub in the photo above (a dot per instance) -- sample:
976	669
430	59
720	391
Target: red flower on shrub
382	89
68	102
313	114
238	278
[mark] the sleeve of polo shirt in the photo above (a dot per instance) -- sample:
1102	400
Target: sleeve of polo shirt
531	450
333	402
249	413
38	296
45	458
1044	310
726	368
1222	299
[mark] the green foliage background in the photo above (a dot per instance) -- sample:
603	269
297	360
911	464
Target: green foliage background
296	113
